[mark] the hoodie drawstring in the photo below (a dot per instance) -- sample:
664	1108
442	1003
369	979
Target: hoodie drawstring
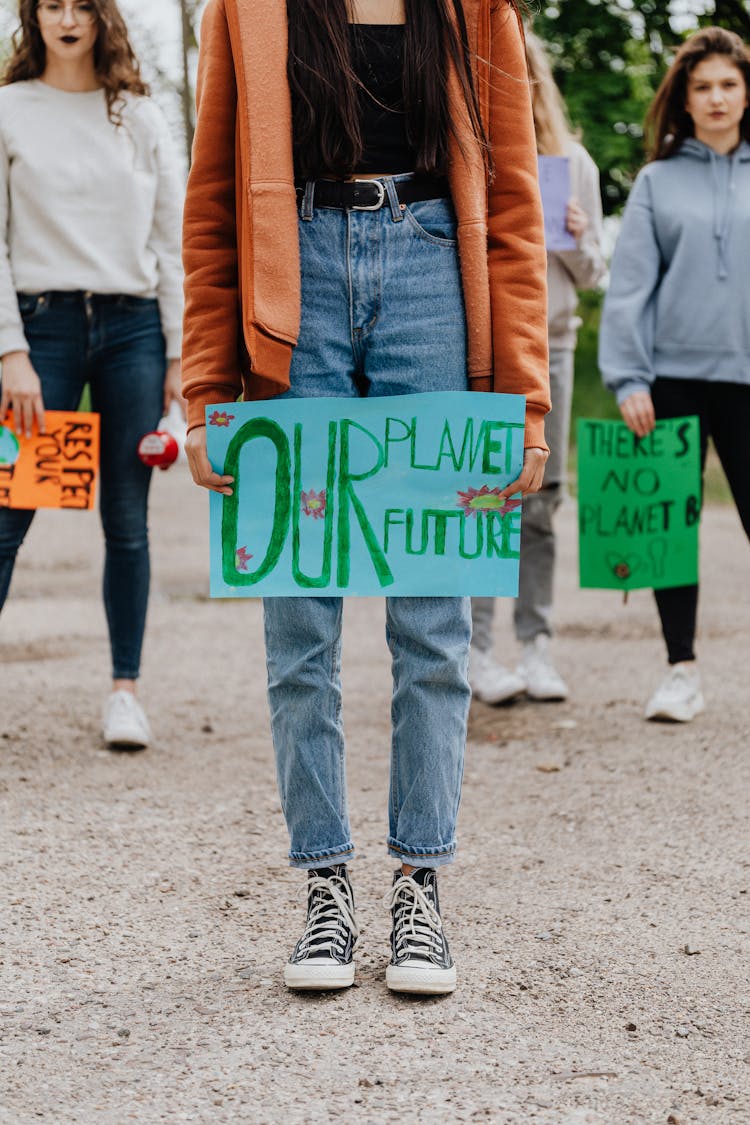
723	214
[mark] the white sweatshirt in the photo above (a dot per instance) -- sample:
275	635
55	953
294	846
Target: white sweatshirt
85	204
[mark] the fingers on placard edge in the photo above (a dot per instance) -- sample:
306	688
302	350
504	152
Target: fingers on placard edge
511	489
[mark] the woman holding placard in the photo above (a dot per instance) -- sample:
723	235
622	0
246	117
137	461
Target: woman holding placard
579	266
90	285
374	138
675	335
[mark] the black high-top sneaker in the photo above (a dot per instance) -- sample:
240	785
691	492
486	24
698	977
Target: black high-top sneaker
420	958
323	956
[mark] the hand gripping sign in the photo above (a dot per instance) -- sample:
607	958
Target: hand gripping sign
396	496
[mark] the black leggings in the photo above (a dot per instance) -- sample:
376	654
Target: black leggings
724	413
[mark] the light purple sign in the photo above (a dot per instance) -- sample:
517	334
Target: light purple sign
554	181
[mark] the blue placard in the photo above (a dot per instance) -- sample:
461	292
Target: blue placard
395	496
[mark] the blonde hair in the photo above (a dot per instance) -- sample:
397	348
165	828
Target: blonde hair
553	131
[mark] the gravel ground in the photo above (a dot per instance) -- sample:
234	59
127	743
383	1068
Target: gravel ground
599	913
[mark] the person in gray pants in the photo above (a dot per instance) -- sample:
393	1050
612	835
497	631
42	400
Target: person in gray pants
567	272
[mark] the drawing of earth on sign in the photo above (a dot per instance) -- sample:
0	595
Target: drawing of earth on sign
9	448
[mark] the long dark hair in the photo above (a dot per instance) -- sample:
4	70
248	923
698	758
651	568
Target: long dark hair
326	119
668	122
116	65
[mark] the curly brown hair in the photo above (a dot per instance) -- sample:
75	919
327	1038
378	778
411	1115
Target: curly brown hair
117	67
668	123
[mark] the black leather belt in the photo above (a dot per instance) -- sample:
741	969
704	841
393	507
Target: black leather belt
371	195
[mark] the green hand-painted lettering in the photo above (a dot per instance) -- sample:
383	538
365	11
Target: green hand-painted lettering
347	497
324	579
255	428
507	524
394	517
409	430
479	521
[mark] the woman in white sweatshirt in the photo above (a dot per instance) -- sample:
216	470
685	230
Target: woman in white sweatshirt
567	271
90	285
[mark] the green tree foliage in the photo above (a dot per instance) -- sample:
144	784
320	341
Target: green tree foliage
734	14
608	57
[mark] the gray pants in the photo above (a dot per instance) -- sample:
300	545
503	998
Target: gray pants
532	612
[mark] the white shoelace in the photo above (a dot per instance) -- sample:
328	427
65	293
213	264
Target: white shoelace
419	927
323	929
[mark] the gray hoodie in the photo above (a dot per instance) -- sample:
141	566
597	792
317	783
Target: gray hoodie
678	304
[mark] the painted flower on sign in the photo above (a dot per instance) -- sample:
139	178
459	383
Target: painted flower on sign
241	558
220	418
314	503
486	499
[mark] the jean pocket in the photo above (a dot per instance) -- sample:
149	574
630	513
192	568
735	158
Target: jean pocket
32	305
434	220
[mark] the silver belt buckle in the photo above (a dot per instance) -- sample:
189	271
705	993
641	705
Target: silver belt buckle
371	206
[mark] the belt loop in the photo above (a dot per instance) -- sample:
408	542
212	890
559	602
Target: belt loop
306	208
390	190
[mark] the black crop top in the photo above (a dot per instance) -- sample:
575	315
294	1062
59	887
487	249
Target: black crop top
377	55
378	61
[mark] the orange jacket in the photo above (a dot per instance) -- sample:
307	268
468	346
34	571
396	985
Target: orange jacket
241	248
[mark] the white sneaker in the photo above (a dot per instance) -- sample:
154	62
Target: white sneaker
490	682
124	724
542	679
678	698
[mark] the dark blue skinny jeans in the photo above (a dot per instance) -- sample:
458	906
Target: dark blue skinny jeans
114	343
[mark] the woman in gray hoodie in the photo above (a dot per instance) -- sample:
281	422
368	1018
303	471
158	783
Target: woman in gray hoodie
675	336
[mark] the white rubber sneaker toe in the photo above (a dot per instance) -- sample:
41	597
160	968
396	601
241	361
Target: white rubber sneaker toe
490	682
679	697
543	681
318	975
422	980
124	725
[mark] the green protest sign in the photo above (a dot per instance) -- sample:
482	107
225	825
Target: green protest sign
638	504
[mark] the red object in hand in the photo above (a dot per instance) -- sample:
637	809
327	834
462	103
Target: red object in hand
158	449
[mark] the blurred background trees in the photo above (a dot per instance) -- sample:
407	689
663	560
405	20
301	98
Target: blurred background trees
609	57
188	47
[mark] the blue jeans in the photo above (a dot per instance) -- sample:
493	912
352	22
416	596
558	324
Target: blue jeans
114	343
382	314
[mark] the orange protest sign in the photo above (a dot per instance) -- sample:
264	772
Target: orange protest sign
56	469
